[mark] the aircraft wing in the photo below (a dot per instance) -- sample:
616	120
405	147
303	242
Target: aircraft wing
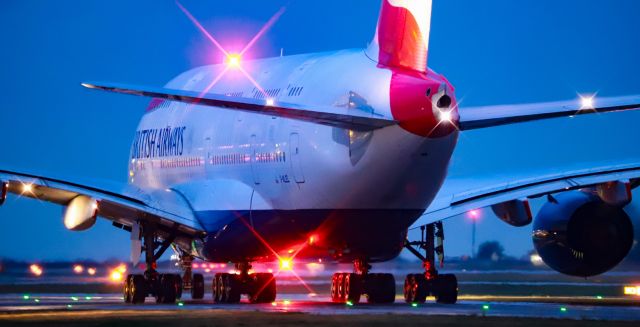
332	116
123	207
490	116
459	195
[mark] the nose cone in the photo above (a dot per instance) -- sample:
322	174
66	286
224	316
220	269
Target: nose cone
424	105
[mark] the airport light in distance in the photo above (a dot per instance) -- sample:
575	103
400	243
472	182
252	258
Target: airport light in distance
36	270
632	290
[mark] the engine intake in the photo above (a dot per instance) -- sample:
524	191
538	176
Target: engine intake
578	234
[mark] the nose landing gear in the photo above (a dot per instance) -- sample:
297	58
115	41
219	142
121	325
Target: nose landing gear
444	287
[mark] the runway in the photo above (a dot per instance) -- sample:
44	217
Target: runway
605	309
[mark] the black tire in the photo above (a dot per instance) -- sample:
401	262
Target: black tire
167	291
445	289
126	289
218	289
197	287
138	289
178	285
335	288
381	288
409	289
231	288
352	288
263	288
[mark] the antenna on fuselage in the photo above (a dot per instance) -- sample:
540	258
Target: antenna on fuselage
281	52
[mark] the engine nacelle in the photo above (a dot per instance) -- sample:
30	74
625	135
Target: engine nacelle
81	213
578	234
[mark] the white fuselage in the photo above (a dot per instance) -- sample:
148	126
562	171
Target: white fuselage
224	160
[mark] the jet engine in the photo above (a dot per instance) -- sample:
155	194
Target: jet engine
81	213
577	233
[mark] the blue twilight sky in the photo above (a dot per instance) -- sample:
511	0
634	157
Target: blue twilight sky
493	51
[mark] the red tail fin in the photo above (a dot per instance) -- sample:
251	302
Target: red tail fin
402	36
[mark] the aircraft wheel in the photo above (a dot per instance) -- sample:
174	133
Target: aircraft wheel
167	292
263	288
138	289
126	290
178	285
337	288
415	288
381	288
231	286
217	289
197	287
352	287
335	297
445	289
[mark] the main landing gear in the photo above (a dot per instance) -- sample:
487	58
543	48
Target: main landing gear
444	287
349	287
228	288
166	288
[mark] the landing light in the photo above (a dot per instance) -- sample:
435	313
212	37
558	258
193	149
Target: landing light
286	264
233	60
27	188
587	102
445	116
91	271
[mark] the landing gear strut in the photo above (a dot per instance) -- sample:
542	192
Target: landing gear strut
166	288
228	288
444	287
349	287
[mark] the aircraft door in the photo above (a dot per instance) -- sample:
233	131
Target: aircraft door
295	152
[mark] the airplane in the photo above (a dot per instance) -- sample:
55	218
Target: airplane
331	156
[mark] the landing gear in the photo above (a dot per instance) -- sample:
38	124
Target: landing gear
349	287
444	287
166	288
228	288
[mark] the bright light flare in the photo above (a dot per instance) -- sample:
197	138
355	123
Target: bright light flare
286	264
474	214
91	271
122	268
445	116
115	276
632	290
270	102
587	102
27	188
36	270
78	269
233	60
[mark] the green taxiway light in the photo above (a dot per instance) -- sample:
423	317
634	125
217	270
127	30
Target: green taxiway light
74	298
599	297
349	303
37	300
485	307
180	304
26	296
563	309
414	305
69	306
87	298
